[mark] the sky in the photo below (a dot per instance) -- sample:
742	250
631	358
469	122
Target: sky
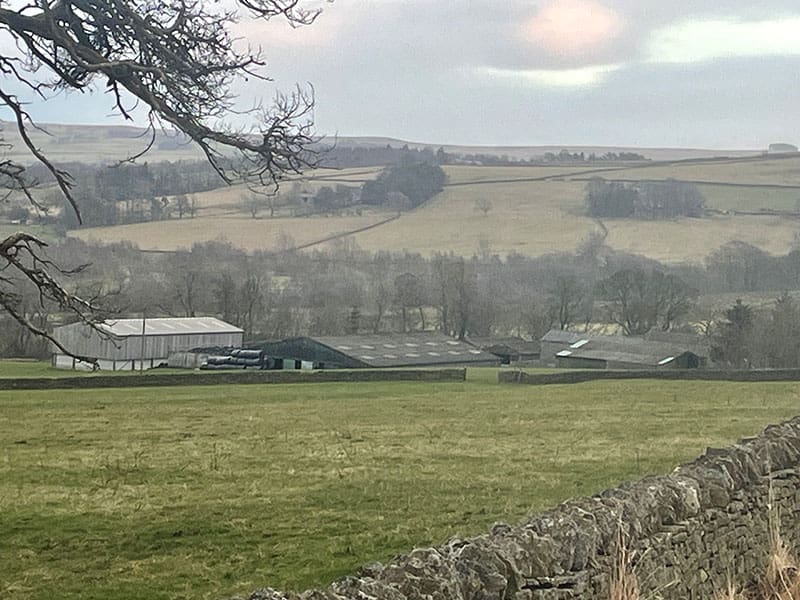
649	73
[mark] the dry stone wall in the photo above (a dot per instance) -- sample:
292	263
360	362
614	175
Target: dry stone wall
582	376
150	379
688	532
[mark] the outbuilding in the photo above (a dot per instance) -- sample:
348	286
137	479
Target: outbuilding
618	352
509	349
138	344
554	341
423	349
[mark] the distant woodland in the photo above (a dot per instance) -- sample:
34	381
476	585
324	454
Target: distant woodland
347	290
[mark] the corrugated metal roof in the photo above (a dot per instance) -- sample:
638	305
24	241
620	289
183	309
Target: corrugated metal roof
516	344
565	337
698	344
621	349
410	349
167	326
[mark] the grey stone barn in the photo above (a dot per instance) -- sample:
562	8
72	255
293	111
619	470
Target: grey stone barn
133	344
391	350
618	352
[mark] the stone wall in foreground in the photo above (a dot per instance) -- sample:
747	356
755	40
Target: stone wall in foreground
689	532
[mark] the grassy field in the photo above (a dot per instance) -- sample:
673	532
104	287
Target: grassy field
541	217
203	493
12	368
757	171
529	217
750	198
243	232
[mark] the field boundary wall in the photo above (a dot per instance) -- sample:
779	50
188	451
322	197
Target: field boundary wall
581	376
688	533
231	378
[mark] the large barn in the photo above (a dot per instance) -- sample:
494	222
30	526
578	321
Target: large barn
425	349
619	352
133	344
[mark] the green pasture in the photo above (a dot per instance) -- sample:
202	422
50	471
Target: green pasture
13	368
207	492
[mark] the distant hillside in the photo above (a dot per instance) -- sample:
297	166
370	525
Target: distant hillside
107	143
529	210
527	152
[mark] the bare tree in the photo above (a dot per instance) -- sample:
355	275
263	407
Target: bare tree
566	298
484	205
175	59
638	300
252	203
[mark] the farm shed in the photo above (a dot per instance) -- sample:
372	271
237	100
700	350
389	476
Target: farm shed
425	349
694	343
554	341
508	349
130	344
617	352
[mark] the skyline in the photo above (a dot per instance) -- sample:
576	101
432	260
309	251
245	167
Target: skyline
559	72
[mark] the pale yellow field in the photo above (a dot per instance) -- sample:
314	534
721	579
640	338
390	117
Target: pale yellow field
750	198
354	174
92	144
530	218
691	240
769	171
526	218
243	232
544	217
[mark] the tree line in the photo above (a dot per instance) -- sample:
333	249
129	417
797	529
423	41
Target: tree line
348	290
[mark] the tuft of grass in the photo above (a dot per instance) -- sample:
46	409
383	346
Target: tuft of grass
731	592
624	584
782	577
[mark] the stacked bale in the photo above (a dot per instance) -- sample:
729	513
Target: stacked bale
238	359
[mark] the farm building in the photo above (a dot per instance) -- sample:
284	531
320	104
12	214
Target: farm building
618	352
130	344
696	344
554	341
426	349
509	349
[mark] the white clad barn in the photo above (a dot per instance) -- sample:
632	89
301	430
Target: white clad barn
133	344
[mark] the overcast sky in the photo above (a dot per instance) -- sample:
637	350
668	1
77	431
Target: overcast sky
719	74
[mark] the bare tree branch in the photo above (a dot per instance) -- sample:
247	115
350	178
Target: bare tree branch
178	60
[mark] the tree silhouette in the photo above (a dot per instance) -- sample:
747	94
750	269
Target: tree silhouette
177	60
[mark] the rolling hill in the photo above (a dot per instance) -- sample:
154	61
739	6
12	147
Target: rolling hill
533	210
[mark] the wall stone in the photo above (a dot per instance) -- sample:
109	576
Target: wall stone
150	379
688	532
582	376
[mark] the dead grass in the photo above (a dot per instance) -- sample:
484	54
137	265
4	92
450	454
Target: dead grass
731	592
759	171
782	577
243	232
624	584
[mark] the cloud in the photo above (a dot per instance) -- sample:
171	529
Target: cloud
574	27
578	77
700	41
